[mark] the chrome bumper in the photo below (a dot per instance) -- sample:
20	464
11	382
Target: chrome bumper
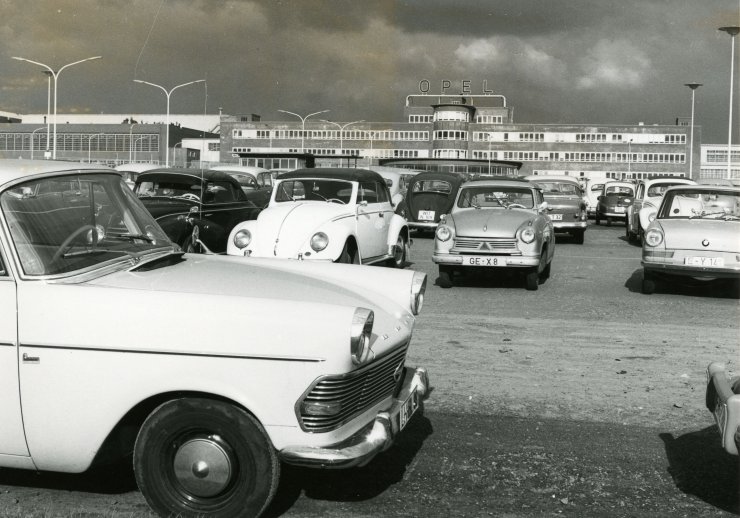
360	448
566	225
422	225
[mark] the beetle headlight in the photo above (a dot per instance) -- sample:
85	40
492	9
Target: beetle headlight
653	237
527	235
418	288
362	328
319	241
242	238
443	233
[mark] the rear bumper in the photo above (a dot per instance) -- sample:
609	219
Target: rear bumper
377	436
422	225
569	225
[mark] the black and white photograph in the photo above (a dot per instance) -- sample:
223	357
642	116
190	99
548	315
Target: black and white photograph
347	259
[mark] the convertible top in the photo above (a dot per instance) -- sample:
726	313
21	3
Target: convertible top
205	174
340	173
454	178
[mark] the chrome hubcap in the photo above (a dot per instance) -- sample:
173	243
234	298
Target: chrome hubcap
203	466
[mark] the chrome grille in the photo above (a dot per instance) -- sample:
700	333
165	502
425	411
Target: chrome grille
355	392
483	246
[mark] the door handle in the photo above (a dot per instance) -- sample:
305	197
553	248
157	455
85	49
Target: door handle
30	359
381	214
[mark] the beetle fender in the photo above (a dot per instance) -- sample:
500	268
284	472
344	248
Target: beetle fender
397	226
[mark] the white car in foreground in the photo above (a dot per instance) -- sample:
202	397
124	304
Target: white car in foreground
221	369
339	215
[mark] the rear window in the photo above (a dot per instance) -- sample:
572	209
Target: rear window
439	186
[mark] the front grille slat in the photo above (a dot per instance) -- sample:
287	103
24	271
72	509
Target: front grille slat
485	245
355	392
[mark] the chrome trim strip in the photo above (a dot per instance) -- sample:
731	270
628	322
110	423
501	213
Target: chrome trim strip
5	344
179	353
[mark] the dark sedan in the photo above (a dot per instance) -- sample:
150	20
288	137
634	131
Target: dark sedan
429	195
196	208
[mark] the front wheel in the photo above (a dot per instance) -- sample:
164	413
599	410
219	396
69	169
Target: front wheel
648	284
445	276
198	457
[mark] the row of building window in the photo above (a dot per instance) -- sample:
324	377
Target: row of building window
420	118
450	135
720	155
579	138
462	116
331	135
542	156
79	142
489	119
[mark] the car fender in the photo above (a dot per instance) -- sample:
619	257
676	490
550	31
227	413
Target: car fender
644	215
396	227
251	226
176	226
338	232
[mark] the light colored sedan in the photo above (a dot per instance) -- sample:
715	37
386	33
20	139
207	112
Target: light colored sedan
565	204
695	233
333	214
496	225
222	369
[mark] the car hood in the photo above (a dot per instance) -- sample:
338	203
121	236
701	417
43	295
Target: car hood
490	222
217	306
690	234
283	229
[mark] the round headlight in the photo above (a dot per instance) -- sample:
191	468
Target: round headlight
319	241
418	288
360	333
443	233
653	237
527	235
242	238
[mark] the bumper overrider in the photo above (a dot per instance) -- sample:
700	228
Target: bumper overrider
377	436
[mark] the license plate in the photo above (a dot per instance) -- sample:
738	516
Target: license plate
619	209
483	261
408	408
426	215
717	262
556	217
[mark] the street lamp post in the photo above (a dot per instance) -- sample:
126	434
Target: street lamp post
32	134
303	123
167	121
732	31
489	135
341	131
135	141
89	142
130	131
55	75
693	87
48	112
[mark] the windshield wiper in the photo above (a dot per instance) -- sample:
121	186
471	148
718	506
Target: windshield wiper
132	237
89	251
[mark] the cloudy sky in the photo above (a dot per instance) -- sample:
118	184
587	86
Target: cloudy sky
556	61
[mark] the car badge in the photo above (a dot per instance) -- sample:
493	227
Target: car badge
484	246
705	243
398	372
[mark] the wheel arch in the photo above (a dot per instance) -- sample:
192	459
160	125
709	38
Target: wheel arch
119	443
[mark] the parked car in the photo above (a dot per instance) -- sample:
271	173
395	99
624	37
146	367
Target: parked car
591	192
196	208
565	204
338	214
396	180
695	233
497	225
614	201
290	363
256	182
648	194
429	195
723	401
130	171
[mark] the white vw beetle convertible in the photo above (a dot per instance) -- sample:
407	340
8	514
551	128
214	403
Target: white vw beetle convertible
231	367
341	215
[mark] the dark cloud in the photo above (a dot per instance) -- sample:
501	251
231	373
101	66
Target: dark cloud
575	61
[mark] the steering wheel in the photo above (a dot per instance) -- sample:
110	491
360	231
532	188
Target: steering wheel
336	200
65	244
190	196
519	205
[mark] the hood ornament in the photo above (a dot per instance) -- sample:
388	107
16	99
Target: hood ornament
485	228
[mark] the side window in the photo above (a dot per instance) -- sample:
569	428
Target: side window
368	192
383	196
3	271
218	192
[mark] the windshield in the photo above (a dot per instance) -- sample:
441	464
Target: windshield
311	189
658	189
558	187
496	197
66	223
701	204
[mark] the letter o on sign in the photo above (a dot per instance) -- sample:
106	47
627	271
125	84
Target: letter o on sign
424	86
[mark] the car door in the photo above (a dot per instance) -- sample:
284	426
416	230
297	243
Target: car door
12	438
372	221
